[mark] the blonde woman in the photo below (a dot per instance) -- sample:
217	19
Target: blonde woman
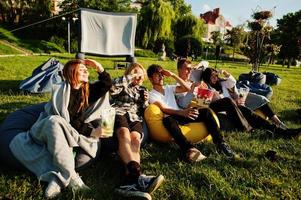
129	98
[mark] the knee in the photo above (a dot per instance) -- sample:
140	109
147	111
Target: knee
135	136
229	101
167	121
55	119
123	133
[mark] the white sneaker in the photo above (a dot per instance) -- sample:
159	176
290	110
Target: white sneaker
77	183
52	190
282	125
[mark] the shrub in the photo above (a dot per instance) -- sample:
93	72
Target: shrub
145	53
187	46
168	43
58	41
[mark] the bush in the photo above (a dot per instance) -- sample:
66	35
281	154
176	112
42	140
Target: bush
145	53
168	43
58	41
187	46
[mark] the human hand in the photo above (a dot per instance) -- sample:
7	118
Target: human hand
146	95
166	72
97	132
224	72
216	96
94	64
194	85
191	113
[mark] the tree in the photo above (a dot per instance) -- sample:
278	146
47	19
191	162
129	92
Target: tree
155	21
288	35
235	37
180	7
258	38
25	11
105	5
188	46
216	37
189	25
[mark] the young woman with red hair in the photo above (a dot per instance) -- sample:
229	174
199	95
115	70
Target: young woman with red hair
66	122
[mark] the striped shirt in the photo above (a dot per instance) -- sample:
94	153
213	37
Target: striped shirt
126	98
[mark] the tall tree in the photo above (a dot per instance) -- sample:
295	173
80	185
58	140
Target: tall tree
20	11
104	5
180	7
288	35
189	25
235	37
155	21
258	38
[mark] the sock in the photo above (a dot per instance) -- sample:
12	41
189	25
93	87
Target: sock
134	170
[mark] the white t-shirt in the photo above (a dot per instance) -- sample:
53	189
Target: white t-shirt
168	99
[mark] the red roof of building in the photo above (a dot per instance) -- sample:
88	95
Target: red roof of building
210	16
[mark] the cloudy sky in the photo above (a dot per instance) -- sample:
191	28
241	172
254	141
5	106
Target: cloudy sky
239	11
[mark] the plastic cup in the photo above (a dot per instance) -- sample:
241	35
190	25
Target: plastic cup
107	128
242	96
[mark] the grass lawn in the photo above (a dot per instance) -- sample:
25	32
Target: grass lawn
255	177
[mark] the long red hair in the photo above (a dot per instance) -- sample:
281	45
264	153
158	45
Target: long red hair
70	73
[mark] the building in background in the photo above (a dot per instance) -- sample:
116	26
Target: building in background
215	22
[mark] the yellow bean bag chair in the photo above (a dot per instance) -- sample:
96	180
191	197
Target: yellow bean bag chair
194	132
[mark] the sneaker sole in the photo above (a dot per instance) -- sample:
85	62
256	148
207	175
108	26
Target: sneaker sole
156	183
133	195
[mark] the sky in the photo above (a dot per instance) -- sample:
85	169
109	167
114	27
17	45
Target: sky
239	11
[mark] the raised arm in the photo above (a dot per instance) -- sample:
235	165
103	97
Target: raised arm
104	83
184	87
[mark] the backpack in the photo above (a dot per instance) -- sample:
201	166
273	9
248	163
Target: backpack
272	79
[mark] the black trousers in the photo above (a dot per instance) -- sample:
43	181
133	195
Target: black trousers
255	120
171	123
233	113
266	109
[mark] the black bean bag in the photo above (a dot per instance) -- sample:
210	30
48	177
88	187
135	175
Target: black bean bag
15	123
21	121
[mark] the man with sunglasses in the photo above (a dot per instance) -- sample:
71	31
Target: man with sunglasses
164	97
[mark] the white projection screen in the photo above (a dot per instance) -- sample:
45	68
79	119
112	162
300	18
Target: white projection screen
107	33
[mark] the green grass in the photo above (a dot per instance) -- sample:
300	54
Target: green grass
255	177
7	50
36	46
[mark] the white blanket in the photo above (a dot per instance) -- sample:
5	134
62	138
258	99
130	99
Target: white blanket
47	148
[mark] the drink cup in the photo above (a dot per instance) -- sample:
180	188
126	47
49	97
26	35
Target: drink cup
141	93
106	122
107	127
242	95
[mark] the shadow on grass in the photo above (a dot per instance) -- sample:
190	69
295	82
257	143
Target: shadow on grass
8	108
10	86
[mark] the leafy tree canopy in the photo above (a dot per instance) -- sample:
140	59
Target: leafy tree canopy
288	35
189	25
155	21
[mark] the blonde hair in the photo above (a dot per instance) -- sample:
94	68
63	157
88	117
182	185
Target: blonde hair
133	66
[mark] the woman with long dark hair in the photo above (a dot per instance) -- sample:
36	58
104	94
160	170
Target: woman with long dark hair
225	87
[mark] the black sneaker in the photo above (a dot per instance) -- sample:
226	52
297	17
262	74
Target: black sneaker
224	148
289	133
150	183
133	192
